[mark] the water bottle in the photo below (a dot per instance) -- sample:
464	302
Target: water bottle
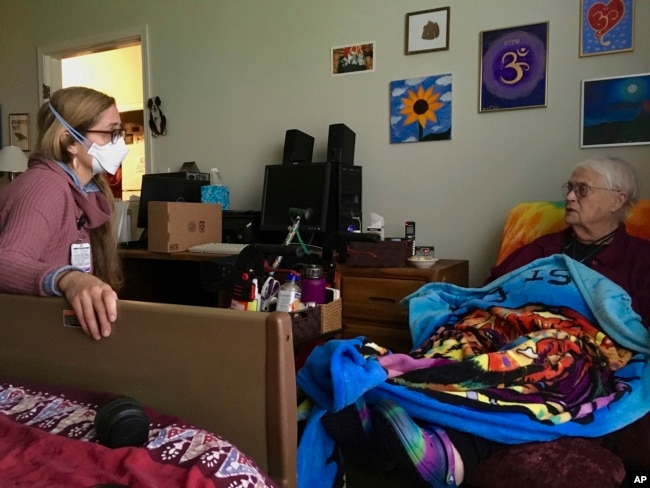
289	295
313	285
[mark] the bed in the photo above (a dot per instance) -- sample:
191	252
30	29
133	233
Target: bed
227	374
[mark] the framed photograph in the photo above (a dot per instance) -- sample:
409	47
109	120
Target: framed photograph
427	31
353	58
615	111
19	130
420	109
606	27
513	68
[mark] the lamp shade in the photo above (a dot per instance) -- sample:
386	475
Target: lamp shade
12	159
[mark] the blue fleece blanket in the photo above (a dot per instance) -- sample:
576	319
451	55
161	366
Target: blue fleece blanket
532	356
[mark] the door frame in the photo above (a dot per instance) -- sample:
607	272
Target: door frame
50	75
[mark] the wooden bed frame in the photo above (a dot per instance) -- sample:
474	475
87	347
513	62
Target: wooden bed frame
226	371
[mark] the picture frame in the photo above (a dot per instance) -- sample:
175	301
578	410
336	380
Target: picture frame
19	131
352	58
614	111
420	109
427	31
513	67
606	27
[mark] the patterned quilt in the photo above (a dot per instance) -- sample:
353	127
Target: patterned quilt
47	438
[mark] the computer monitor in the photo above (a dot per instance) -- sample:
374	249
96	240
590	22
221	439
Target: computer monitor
298	186
164	187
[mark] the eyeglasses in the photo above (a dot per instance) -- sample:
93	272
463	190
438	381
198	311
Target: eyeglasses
581	190
115	133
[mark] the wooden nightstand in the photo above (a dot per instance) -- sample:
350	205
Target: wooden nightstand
371	299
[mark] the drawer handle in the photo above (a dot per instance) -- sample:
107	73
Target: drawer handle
382	299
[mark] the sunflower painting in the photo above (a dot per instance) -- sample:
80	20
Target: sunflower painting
420	109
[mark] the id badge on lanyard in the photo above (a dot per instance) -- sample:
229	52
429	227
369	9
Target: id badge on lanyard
80	255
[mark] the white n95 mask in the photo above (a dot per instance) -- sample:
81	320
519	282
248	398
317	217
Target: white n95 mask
108	158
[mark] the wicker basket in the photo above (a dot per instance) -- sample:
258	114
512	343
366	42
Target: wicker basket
331	316
310	323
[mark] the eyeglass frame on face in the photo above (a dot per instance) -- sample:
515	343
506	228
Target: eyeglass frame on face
115	133
581	190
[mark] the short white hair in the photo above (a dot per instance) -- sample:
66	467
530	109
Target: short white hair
617	173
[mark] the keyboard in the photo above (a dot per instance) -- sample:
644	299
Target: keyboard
218	248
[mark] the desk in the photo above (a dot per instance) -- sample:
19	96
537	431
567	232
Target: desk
127	254
183	278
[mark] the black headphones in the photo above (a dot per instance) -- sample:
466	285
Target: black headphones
122	422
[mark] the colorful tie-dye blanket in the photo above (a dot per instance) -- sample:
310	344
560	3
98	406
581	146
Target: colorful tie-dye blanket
552	349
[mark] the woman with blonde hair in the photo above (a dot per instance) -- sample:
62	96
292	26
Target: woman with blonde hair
56	229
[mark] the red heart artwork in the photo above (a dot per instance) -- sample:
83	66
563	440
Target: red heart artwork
604	17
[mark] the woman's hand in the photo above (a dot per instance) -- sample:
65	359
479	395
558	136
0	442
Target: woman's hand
93	301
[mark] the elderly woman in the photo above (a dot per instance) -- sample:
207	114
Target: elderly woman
598	196
525	358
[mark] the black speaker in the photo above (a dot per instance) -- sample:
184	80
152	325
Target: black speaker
344	213
340	144
298	147
122	422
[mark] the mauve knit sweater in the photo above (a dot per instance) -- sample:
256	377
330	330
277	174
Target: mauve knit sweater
38	224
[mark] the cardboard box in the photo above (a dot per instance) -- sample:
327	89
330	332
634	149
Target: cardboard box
175	226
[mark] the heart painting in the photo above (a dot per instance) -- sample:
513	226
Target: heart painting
603	17
607	26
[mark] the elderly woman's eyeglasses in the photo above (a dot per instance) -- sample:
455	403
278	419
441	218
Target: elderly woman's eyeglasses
116	134
581	190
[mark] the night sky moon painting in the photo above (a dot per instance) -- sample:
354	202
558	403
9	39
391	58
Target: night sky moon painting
420	109
616	111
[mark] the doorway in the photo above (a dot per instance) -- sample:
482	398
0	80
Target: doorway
115	64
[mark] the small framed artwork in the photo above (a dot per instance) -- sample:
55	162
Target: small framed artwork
353	58
606	27
19	130
615	111
427	31
420	109
513	68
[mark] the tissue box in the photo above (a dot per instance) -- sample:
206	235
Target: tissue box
216	194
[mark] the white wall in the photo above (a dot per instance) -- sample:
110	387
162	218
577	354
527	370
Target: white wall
234	75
